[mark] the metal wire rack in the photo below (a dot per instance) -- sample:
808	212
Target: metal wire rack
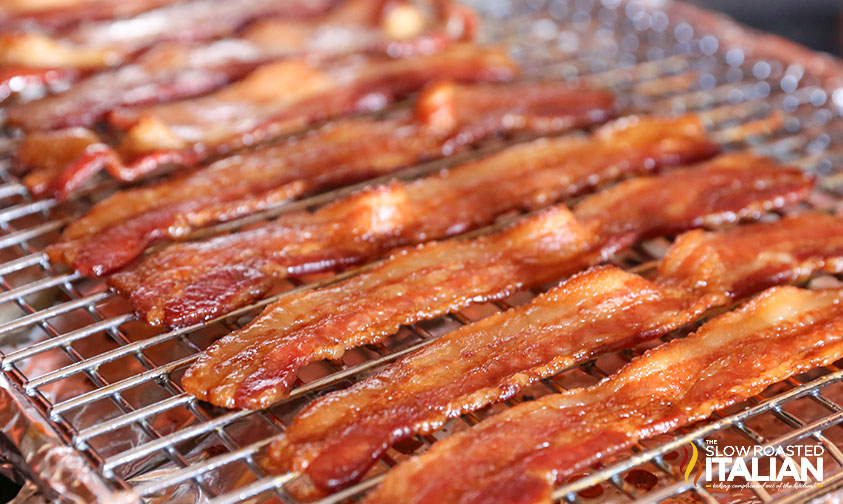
107	385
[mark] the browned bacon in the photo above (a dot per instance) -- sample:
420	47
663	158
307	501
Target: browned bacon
366	225
180	70
117	230
337	438
257	365
518	455
276	99
288	95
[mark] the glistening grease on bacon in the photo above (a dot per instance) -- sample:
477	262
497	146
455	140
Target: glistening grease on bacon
175	70
336	439
448	117
174	285
784	331
276	99
257	365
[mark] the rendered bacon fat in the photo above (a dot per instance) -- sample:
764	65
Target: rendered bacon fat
337	438
257	365
117	230
783	332
274	100
165	287
180	70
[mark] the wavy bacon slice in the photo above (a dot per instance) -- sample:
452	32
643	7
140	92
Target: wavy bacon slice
179	70
783	332
255	366
117	230
286	96
337	438
165	73
366	225
274	100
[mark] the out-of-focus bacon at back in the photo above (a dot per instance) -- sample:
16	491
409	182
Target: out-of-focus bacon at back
285	96
107	43
783	332
366	225
257	365
175	70
54	15
42	60
167	72
117	230
33	80
274	100
336	439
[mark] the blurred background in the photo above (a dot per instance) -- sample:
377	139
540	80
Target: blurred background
815	23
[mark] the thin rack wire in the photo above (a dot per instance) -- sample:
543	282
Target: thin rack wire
110	385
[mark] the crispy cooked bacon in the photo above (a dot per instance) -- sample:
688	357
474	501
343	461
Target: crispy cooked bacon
337	438
165	73
285	96
117	230
366	225
255	366
180	70
52	151
274	100
783	332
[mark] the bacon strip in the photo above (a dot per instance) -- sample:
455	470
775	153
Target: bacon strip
167	73
783	332
368	224
274	100
288	95
117	230
337	438
178	70
257	365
